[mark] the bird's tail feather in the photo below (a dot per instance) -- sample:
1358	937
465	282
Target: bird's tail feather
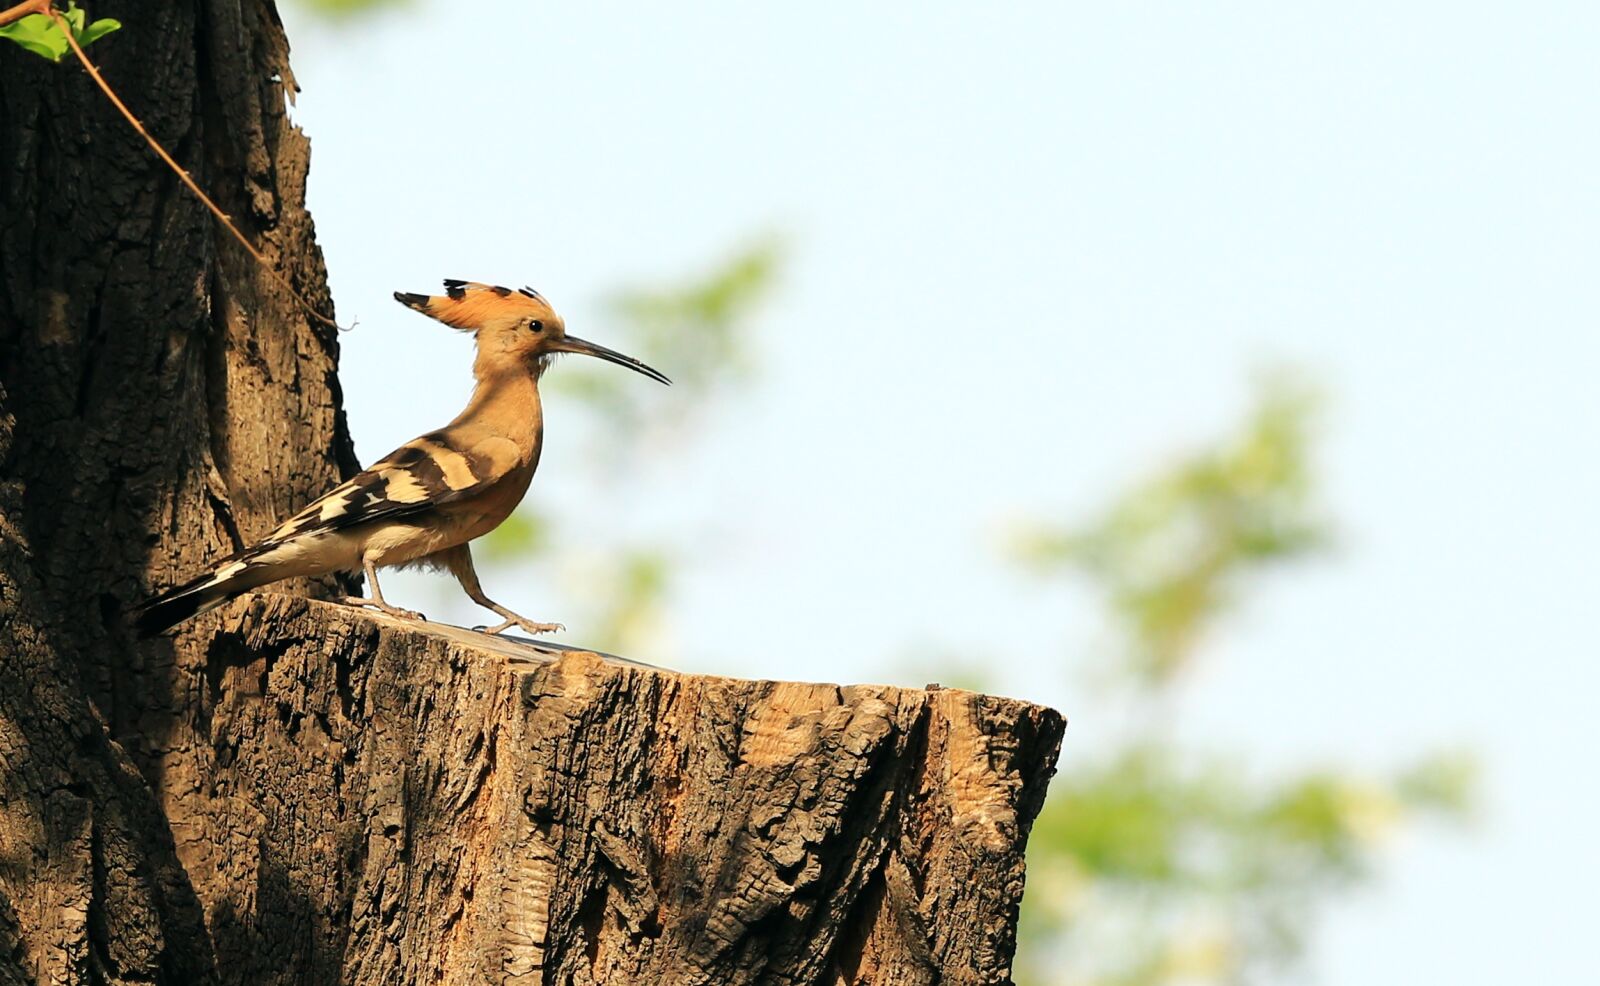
232	577
173	607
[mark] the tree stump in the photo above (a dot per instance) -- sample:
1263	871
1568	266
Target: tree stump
396	803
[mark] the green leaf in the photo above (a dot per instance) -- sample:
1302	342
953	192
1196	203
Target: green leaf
38	34
42	36
86	36
73	15
99	29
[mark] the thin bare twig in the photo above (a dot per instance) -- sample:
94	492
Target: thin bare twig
46	7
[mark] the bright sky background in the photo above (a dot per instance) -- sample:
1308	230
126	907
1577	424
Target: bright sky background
1033	250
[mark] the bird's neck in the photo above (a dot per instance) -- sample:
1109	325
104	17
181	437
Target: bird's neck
506	403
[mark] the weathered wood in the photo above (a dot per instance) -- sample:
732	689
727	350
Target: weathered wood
395	804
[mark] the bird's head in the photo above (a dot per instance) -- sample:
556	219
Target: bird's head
514	329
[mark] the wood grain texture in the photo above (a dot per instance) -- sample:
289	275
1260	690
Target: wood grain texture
396	805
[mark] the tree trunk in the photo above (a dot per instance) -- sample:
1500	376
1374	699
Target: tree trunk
162	400
290	792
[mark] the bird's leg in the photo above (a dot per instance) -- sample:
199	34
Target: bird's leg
376	602
459	559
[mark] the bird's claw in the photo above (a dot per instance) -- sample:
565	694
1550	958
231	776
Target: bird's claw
394	611
527	625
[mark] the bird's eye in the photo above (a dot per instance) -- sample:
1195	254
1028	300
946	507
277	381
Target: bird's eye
535	325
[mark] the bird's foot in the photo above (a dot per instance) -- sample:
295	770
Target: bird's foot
395	611
528	625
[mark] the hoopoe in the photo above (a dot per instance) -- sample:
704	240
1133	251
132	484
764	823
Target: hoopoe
422	503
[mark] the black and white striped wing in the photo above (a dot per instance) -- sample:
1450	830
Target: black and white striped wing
423	474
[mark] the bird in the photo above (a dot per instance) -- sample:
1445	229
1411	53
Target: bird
421	504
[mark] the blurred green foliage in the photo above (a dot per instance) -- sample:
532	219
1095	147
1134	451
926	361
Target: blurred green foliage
1154	863
336	10
1170	553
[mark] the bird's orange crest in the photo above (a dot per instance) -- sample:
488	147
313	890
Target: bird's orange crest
470	305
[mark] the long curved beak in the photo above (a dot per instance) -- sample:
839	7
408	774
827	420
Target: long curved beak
571	344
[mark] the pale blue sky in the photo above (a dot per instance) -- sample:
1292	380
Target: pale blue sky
1033	250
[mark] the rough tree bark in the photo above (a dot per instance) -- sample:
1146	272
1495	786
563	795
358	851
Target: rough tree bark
161	398
289	792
